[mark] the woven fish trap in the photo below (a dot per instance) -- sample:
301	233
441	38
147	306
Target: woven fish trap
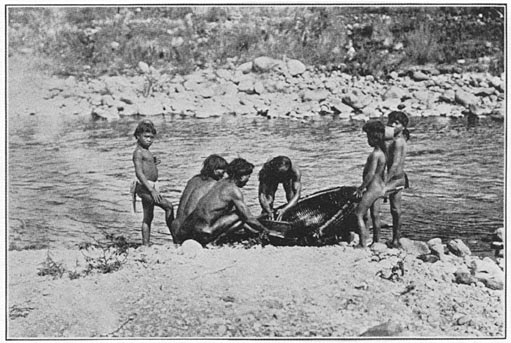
317	217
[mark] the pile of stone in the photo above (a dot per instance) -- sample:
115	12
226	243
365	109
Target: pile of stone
282	89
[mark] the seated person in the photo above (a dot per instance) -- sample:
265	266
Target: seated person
278	170
213	169
222	209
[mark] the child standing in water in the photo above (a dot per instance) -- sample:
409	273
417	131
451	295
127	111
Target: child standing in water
396	177
372	189
147	175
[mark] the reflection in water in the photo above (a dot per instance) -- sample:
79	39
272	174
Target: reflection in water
69	179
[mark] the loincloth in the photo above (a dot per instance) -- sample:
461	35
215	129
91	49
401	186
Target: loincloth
137	188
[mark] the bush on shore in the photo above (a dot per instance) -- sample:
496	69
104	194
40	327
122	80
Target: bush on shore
357	40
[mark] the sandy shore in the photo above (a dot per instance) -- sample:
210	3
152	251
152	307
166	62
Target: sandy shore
171	291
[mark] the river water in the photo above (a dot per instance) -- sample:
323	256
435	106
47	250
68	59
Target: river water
69	177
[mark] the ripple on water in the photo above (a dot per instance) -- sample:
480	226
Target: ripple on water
73	184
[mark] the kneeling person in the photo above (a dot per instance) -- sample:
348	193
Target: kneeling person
213	169
222	209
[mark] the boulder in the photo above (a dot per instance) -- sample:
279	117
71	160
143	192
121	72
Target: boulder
488	272
246	86
338	107
356	99
295	67
464	98
414	248
105	113
387	329
458	248
181	105
150	107
209	108
224	74
436	247
464	278
191	248
263	64
394	92
245	68
315	95
419	76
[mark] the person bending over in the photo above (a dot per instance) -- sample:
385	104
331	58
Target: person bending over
279	170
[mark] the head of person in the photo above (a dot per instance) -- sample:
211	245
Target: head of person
145	132
278	168
399	121
375	131
240	170
214	167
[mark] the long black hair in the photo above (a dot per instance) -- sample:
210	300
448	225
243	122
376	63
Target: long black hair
270	170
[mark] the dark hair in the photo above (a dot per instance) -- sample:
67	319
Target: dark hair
402	118
270	168
375	130
239	167
144	126
211	163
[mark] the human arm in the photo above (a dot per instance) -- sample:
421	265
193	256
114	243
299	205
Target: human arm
296	188
244	213
266	199
138	162
389	133
369	173
397	159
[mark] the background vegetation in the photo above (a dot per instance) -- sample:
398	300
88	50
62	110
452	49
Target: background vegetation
359	40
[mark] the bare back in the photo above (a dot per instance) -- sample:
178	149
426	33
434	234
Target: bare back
218	202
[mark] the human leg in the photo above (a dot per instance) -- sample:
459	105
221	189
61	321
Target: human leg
395	210
375	217
169	212
148	209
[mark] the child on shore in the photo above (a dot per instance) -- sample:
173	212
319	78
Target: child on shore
396	177
372	189
147	175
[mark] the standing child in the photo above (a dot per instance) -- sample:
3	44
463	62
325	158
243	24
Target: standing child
372	188
147	175
396	177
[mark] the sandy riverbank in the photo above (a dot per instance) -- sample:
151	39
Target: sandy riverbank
171	291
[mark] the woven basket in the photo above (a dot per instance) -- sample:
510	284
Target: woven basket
318	218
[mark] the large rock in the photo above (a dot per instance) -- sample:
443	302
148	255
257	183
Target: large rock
356	99
315	95
105	113
436	247
458	248
488	272
394	92
210	108
388	329
464	98
245	68
419	76
150	107
414	248
295	67
246	86
263	64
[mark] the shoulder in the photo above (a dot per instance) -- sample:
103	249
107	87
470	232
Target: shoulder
297	172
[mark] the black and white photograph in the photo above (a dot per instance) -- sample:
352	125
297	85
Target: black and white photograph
255	171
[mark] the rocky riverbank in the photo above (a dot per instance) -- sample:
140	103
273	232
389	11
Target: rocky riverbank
276	89
423	290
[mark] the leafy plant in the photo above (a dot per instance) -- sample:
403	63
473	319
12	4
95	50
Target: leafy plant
51	268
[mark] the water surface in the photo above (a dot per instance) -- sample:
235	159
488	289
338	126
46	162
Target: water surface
69	177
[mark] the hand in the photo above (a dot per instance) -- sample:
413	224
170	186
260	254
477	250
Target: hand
156	196
279	214
358	193
157	160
